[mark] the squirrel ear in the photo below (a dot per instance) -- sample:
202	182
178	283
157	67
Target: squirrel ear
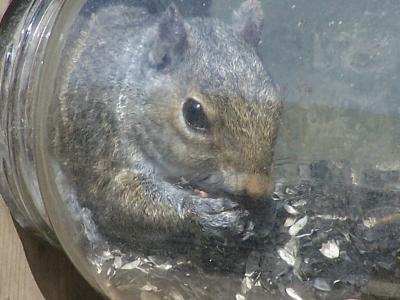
248	21
171	39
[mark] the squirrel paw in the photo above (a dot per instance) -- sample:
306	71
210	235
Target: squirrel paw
220	219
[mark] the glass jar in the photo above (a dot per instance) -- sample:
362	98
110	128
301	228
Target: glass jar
148	140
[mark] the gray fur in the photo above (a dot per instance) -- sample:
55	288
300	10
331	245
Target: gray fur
122	140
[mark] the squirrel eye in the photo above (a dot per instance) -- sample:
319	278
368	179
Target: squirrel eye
194	115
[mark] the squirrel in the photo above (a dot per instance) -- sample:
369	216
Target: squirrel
166	125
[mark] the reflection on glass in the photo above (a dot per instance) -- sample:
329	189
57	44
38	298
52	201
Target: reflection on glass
172	167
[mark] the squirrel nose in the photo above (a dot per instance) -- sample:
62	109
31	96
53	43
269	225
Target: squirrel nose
257	186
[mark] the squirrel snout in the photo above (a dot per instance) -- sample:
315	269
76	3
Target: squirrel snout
252	185
257	186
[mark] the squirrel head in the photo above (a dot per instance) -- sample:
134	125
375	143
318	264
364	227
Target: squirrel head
212	110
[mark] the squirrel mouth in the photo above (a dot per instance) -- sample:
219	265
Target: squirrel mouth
216	191
200	193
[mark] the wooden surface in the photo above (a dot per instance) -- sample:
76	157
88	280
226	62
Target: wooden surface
3	6
40	272
16	280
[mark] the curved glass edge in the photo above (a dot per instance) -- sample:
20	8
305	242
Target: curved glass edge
25	38
67	223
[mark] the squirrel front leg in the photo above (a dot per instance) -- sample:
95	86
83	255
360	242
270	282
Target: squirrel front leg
153	209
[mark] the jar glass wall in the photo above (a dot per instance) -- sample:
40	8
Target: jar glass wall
204	149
